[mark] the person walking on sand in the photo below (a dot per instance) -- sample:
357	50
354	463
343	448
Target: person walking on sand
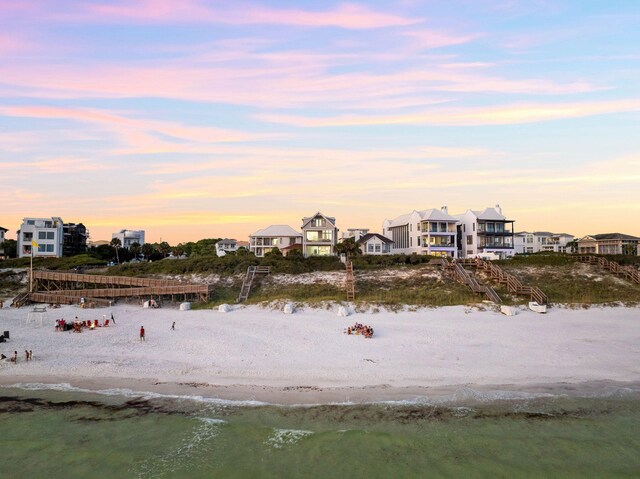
113	320
141	333
173	326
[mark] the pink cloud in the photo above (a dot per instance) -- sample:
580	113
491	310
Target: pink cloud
348	15
498	115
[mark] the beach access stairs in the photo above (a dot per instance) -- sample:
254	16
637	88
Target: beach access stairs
513	284
252	272
456	271
350	281
628	272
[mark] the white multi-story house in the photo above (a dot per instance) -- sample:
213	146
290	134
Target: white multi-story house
319	235
431	232
283	237
526	242
128	237
47	233
2	232
486	232
609	243
374	243
225	246
355	233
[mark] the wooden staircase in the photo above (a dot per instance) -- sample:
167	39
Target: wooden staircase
21	300
350	281
514	285
455	270
252	271
629	272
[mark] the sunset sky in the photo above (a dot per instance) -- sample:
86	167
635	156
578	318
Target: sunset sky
193	119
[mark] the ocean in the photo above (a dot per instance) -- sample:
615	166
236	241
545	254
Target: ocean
70	433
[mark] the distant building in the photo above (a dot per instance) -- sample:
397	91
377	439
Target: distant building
2	232
486	232
75	239
128	237
534	242
225	246
319	235
431	232
374	243
47	233
275	236
609	243
355	233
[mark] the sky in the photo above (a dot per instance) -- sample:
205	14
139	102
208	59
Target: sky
202	119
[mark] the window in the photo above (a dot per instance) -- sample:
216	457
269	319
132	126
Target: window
370	248
318	222
377	248
474	226
42	235
469	239
410	242
48	224
49	248
42	248
50	235
418	240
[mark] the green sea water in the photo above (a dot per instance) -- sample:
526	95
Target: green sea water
73	434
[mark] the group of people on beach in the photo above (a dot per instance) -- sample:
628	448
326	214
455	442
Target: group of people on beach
28	356
363	329
76	326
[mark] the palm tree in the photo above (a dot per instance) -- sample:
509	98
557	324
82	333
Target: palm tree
116	243
348	247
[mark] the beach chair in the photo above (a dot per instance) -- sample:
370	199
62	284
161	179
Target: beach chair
95	323
106	323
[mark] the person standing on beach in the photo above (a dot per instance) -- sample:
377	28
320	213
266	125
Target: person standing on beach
113	320
173	326
141	333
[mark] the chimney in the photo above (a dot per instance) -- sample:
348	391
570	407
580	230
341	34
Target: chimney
444	209
498	209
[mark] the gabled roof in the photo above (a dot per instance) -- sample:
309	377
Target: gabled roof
277	230
368	236
614	236
489	214
3	229
431	214
307	219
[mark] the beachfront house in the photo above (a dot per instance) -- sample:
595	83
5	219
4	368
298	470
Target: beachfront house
526	242
355	233
128	237
431	232
283	237
75	239
374	243
319	235
486	233
2	232
225	246
609	243
46	233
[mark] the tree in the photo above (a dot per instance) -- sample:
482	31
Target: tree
147	250
135	248
116	243
274	252
10	248
348	247
164	248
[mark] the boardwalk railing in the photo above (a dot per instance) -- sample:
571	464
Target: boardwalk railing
629	272
455	270
514	285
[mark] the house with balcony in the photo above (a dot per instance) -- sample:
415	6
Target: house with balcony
47	233
485	233
225	246
283	237
75	239
374	243
431	232
355	233
609	243
526	242
319	235
128	237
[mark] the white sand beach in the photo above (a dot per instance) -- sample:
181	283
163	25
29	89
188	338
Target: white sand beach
263	354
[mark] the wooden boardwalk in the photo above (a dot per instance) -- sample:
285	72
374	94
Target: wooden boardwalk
456	271
629	272
252	271
67	288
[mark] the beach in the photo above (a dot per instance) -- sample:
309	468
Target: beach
260	354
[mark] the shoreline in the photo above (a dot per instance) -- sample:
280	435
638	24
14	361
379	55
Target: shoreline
262	395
